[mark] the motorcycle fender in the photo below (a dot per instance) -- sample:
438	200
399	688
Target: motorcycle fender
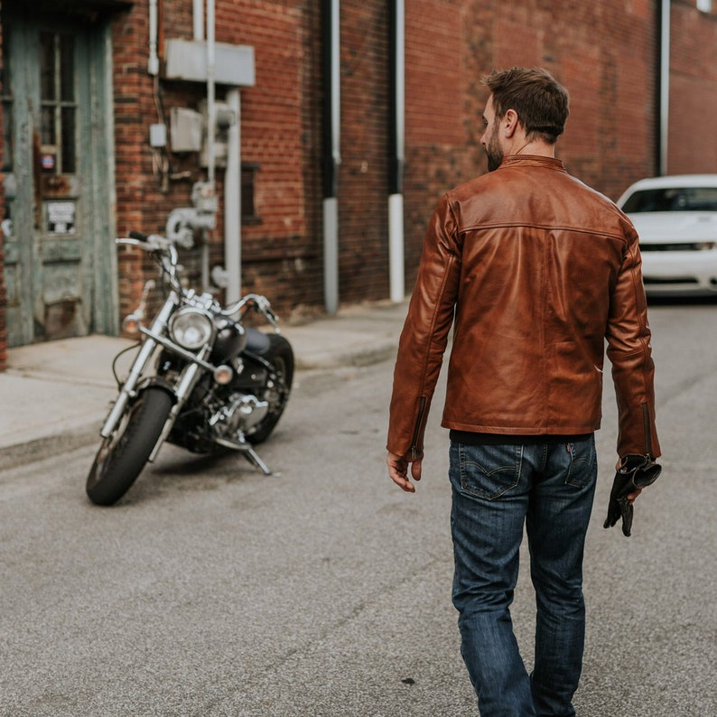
159	382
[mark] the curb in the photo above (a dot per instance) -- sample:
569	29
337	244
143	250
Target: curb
86	432
360	357
38	449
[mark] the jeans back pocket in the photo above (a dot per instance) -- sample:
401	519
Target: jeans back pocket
488	471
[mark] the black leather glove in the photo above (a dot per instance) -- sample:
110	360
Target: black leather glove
634	473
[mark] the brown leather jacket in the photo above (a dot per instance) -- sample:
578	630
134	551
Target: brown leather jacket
539	270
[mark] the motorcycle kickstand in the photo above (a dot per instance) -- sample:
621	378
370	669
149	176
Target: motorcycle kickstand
253	457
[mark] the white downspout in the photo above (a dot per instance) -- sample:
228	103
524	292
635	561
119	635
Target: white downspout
395	200
198	17
331	203
665	21
232	202
211	128
153	62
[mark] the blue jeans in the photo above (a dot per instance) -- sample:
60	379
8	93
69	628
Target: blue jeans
496	488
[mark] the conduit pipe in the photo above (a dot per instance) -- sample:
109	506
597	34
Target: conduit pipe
664	101
232	201
332	153
198	19
397	160
153	62
211	90
211	127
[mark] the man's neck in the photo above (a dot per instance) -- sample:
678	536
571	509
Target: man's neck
536	148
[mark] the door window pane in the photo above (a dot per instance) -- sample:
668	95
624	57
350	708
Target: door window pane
48	125
67	68
7	106
58	114
68	140
7	136
47	66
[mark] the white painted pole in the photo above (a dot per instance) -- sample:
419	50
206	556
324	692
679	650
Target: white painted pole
232	202
664	84
211	128
395	201
331	254
211	100
331	206
395	247
198	17
153	63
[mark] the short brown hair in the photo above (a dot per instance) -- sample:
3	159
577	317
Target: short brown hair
540	101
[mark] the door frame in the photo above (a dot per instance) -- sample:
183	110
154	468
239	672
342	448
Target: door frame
97	137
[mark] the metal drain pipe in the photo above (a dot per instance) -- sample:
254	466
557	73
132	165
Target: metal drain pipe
198	19
331	149
664	92
232	201
397	84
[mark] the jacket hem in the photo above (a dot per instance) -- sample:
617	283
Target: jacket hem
572	430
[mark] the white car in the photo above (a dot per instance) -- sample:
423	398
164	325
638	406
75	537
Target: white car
676	218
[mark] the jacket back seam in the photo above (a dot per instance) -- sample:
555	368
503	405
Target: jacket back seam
523	225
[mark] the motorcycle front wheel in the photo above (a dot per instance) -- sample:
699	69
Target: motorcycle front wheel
122	456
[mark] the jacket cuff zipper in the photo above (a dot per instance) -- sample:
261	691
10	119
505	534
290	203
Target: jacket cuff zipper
414	453
648	431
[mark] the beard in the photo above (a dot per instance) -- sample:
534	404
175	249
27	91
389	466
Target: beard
494	152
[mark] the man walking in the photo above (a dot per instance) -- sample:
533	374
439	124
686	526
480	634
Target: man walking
538	270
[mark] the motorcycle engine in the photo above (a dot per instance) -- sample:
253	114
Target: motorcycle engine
240	414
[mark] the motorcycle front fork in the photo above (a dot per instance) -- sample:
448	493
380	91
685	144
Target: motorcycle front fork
128	387
186	384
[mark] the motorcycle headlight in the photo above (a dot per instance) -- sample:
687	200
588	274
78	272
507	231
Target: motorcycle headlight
191	329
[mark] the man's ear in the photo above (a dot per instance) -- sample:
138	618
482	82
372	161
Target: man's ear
510	123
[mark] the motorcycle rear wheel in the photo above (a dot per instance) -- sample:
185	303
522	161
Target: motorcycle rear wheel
122	456
282	356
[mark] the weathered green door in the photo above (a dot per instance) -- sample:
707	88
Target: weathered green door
58	270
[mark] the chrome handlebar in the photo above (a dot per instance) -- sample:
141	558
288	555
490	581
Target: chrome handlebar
169	257
253	301
170	260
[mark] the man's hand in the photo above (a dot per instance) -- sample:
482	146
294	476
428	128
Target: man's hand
634	472
633	496
398	471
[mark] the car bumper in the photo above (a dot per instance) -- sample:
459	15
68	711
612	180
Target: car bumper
691	273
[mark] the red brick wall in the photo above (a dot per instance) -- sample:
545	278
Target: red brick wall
363	178
280	129
692	139
603	52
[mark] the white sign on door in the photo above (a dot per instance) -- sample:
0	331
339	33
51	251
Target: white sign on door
61	217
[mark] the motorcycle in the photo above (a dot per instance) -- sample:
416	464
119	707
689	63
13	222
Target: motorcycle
201	380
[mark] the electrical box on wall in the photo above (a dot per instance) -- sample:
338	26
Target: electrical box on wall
187	60
224	118
186	129
158	135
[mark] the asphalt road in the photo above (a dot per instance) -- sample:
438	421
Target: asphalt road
211	590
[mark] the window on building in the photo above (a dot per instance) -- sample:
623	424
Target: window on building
704	5
248	187
58	103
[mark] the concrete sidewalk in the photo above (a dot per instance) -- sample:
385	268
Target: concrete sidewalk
55	395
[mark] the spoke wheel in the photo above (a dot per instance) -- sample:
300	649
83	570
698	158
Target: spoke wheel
122	456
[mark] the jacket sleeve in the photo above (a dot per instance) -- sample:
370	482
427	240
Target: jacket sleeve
630	352
425	334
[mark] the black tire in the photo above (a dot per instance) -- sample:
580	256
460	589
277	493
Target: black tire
281	355
122	456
